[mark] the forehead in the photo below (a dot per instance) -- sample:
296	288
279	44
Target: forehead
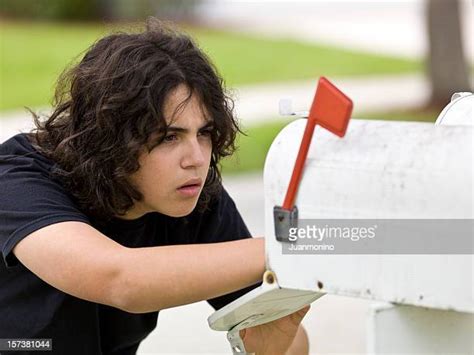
184	107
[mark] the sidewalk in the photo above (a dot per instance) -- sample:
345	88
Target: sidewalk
381	27
259	103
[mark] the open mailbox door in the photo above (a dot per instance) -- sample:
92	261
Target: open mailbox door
261	305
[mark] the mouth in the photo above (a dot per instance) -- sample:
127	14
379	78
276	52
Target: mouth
190	188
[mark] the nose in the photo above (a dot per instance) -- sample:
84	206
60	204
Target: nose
194	155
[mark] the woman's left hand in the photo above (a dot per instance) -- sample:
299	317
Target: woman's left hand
276	337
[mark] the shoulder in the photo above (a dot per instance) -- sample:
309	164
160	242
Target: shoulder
18	152
26	174
31	197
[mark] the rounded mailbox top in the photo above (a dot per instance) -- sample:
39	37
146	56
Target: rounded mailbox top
459	111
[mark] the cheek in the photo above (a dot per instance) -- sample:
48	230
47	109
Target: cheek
156	172
208	150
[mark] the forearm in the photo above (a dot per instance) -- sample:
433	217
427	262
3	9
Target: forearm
162	277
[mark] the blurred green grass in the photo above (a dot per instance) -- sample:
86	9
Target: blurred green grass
418	115
253	148
32	55
244	59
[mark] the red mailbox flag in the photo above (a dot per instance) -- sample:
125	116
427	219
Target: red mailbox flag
330	109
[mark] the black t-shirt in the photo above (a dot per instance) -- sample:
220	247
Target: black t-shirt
30	308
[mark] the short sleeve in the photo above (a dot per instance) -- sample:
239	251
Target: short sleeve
224	223
29	200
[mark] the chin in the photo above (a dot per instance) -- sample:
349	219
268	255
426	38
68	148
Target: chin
182	211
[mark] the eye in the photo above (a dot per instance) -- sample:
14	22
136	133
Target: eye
170	138
206	133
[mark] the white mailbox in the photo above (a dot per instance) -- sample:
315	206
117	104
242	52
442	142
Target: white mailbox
381	170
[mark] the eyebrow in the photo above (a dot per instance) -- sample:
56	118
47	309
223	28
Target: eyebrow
209	124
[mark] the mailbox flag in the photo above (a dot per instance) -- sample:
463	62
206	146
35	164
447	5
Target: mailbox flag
331	108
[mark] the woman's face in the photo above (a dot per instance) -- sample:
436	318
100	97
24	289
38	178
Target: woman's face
173	173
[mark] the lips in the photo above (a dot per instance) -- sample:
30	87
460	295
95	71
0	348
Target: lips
196	182
190	189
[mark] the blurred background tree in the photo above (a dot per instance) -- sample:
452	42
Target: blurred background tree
93	10
173	10
446	63
51	9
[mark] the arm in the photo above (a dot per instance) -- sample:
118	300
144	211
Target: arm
81	261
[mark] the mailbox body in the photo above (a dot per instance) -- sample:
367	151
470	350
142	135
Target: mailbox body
380	170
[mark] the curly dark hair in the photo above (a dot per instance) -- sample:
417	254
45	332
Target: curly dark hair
107	107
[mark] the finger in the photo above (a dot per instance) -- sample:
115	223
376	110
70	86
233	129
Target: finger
304	310
298	316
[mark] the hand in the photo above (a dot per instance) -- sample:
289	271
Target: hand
274	337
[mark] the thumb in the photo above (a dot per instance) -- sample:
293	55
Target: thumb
298	316
304	310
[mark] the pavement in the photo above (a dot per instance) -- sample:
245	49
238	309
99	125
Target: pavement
383	27
259	103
